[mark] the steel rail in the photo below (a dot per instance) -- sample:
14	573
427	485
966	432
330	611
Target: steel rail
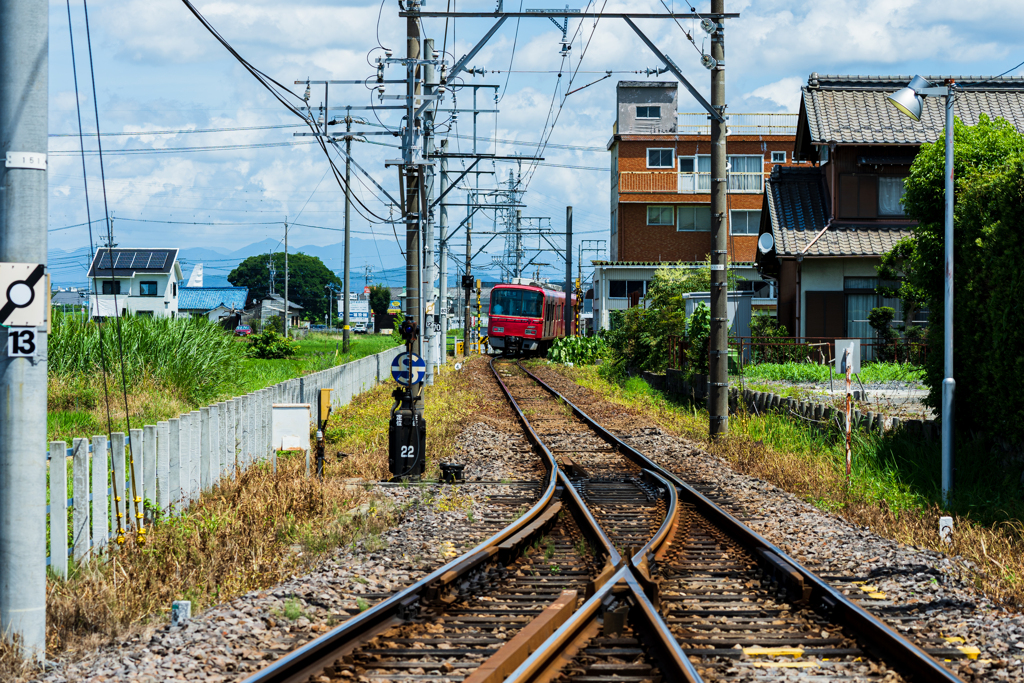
894	649
314	656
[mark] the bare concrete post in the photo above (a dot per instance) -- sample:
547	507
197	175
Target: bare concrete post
195	455
80	514
119	501
149	462
59	508
100	475
250	417
174	464
163	465
230	442
222	431
185	461
138	450
204	449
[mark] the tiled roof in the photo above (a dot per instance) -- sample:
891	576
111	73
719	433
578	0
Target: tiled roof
853	109
209	298
665	264
798	207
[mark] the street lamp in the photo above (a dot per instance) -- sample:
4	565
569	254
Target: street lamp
910	101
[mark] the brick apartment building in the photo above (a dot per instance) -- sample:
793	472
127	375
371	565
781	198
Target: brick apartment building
661	191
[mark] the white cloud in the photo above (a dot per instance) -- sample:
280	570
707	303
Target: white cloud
785	93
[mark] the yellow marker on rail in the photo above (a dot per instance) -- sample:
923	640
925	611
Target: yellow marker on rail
757	651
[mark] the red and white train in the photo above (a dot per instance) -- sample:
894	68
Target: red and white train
527	318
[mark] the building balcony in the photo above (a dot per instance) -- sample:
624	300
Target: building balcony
740	124
668	182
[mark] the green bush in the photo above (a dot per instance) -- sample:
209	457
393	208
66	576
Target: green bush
577	350
880	319
988	251
269	345
698	330
396	336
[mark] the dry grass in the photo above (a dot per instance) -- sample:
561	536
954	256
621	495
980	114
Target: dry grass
989	557
244	535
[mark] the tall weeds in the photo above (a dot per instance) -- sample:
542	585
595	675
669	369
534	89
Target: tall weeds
192	356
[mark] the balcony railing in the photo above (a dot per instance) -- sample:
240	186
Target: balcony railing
740	124
658	182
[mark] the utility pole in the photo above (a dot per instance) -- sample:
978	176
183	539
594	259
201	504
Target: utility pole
442	283
24	66
719	341
286	317
345	332
569	313
467	276
427	324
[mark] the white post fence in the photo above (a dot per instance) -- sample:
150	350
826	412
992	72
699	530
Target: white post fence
175	460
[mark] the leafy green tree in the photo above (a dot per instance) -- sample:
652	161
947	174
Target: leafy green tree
380	299
880	319
988	284
307	279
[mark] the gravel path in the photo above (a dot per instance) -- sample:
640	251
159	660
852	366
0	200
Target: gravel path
924	598
235	639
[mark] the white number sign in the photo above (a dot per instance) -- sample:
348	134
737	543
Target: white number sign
21	342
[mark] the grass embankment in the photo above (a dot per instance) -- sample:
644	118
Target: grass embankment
894	490
170	367
870	373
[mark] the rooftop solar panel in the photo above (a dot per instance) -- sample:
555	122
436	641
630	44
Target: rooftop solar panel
124	259
158	258
141	259
104	262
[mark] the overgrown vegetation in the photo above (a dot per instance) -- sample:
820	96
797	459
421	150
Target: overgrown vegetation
895	489
989	187
269	345
812	372
243	535
641	336
577	350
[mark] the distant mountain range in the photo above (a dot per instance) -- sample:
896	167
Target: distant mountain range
69	268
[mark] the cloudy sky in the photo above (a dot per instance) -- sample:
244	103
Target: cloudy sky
158	69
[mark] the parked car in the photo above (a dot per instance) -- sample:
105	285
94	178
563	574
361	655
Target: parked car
359	328
243	331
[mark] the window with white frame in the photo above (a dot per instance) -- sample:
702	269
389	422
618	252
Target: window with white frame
659	215
648	112
693	218
687	165
661	157
744	222
890	192
746	173
778	157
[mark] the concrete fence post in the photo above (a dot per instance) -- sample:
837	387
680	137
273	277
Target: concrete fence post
222	431
149	462
119	501
302	390
250	419
246	438
185	462
100	476
174	465
195	421
230	443
137	449
163	465
204	449
59	507
80	491
261	425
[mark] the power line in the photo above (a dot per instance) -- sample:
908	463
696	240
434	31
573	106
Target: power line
183	131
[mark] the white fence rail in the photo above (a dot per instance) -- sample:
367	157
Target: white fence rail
175	460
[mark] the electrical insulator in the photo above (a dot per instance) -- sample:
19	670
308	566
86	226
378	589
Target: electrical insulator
707	61
380	91
306	96
444	74
387	53
708	25
380	72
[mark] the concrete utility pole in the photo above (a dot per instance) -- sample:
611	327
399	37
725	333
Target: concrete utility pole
442	257
24	67
345	332
568	271
427	324
719	341
413	210
467	278
286	317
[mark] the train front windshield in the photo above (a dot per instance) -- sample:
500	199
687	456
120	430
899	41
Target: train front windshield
517	302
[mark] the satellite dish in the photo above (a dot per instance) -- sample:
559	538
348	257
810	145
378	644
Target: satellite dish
765	243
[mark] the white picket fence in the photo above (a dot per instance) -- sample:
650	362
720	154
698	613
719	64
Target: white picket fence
175	460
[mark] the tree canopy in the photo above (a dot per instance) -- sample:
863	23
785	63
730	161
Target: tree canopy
307	279
988	280
380	299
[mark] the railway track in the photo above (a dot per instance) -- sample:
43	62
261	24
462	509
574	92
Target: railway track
619	571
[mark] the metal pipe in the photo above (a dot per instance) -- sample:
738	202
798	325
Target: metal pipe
948	383
442	299
24	68
719	358
568	329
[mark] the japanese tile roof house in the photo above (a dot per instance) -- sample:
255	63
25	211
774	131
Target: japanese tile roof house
212	301
832	221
